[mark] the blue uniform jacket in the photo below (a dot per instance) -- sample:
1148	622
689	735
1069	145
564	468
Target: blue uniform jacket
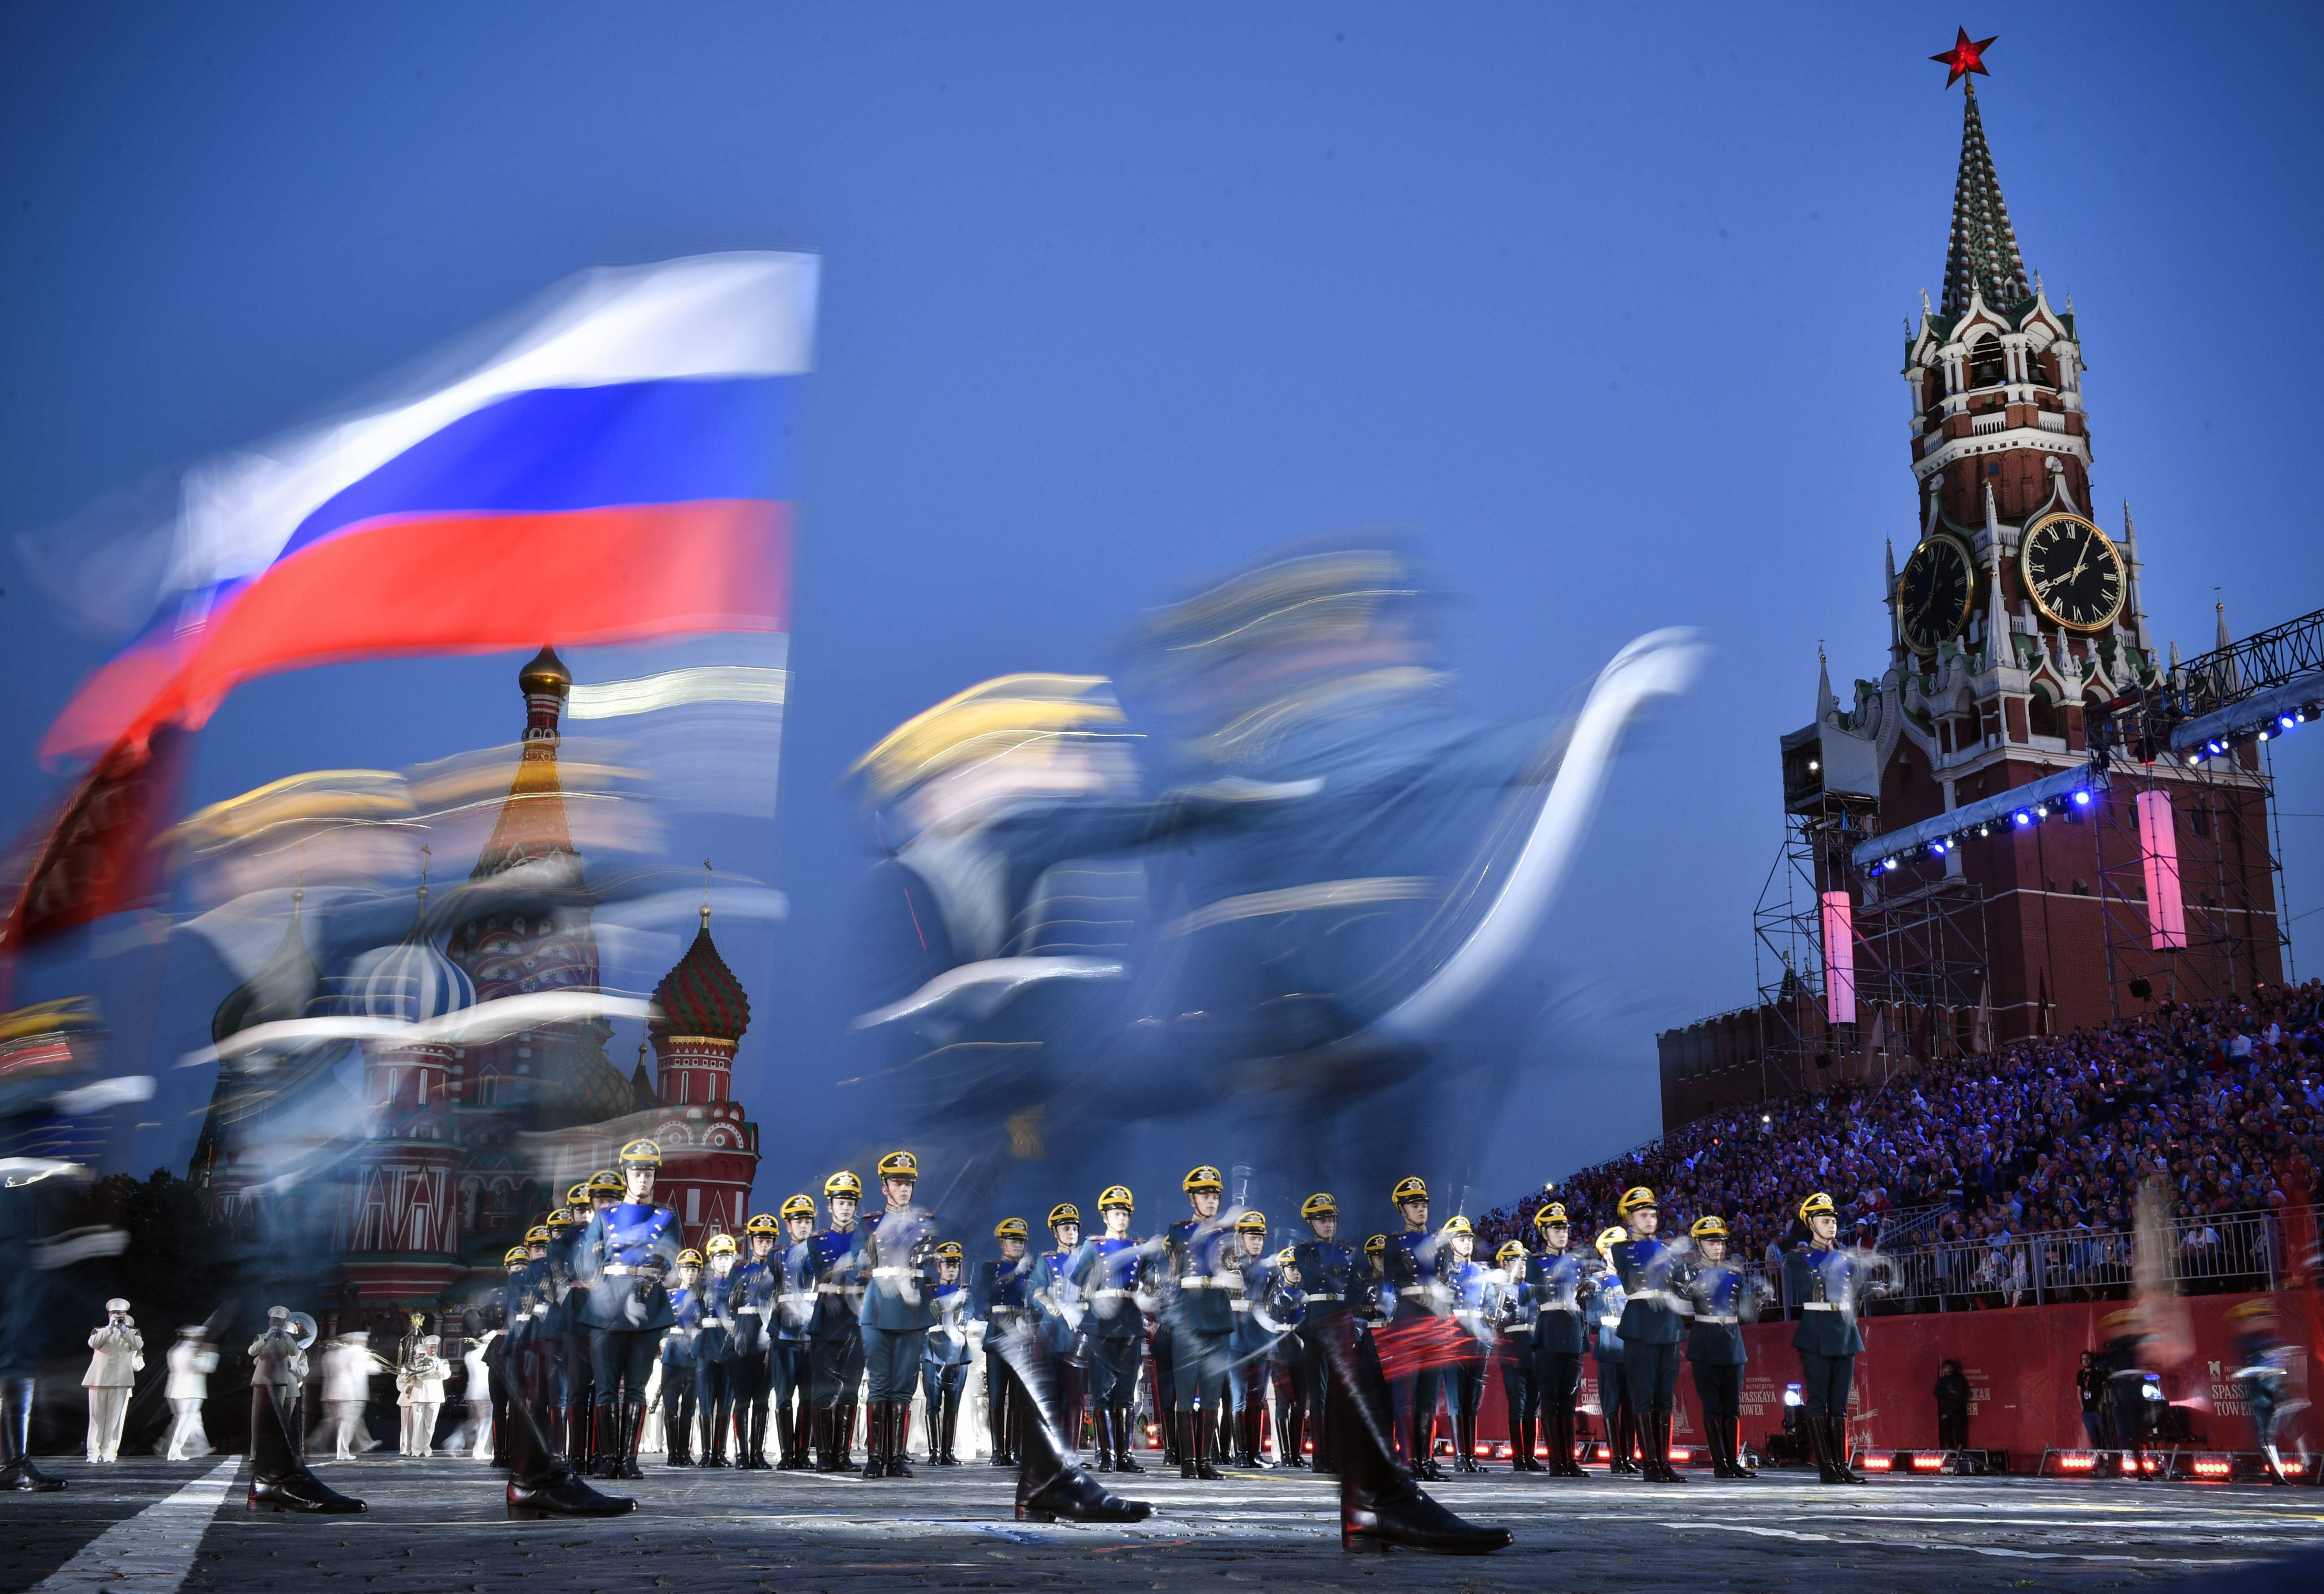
795	1301
1825	1286
1472	1294
1514	1313
1721	1295
750	1291
899	1247
1651	1313
716	1332
1000	1290
948	1339
1562	1297
1269	1309
684	1324
625	1254
1327	1275
1108	1272
837	1256
1607	1303
1415	1288
1204	1276
1057	1301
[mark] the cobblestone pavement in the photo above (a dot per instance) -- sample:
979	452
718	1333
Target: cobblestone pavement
437	1527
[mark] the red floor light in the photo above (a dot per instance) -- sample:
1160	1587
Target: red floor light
1928	1464
2214	1467
1604	1454
1877	1463
2077	1461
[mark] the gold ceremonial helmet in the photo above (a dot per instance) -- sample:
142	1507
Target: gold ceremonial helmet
1510	1248
762	1224
537	1235
721	1244
689	1257
1415	1188
1065	1211
1709	1229
577	1194
1205	1178
1286	1257
1376	1245
1010	1228
1116	1195
516	1253
1608	1240
1252	1221
798	1206
605	1182
1634	1198
949	1251
843	1182
1818	1203
1551	1213
640	1154
559	1219
1457	1224
1319	1205
900	1165
991	720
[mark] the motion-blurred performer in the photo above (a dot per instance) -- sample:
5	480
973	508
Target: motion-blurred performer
1826	1283
628	1254
1654	1326
751	1296
1201	1316
1327	1275
899	1245
1560	1333
192	1360
794	1331
1721	1296
2118	1354
1475	1301
1282	1311
1514	1353
943	1363
2263	1372
713	1350
1002	1293
502	1311
1415	1337
279	1478
836	1345
1374	1297
1059	1308
1609	1303
542	1480
1108	1273
1251	1347
564	1339
678	1390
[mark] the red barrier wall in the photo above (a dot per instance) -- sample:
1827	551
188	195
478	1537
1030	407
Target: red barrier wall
2020	1365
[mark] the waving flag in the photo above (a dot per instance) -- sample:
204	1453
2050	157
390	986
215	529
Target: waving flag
621	468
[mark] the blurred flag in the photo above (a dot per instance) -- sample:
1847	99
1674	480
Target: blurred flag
96	850
621	468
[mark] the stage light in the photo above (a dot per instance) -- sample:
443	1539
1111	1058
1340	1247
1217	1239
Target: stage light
2284	722
2024	817
2041	810
2082	799
1928	1464
2218	748
2262	736
2079	1462
1985	830
2214	1467
2193	758
1873	1463
1937	848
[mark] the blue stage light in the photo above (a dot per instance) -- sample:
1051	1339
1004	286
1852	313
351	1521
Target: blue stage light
2286	722
2082	799
2024	817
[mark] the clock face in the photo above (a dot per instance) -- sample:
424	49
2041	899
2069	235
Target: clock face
2073	573
1933	593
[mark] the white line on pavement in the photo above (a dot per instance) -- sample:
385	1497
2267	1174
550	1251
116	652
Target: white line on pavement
152	1551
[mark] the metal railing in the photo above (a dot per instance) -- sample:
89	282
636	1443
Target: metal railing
2231	1251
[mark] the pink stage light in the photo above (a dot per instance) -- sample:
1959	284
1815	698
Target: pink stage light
2158	846
1839	958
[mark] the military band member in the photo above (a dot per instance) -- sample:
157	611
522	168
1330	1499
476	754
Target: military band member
677	1388
1327	1274
1413	1298
1058	1306
1513	1353
192	1360
1107	1271
899	1244
714	1390
1653	1327
117	1355
564	1340
1241	1430
1722	1297
751	1294
1375	1297
1475	1299
835	1342
1003	1287
279	1478
1607	1302
1200	1313
1826	1283
794	1329
628	1250
944	1362
1561	1333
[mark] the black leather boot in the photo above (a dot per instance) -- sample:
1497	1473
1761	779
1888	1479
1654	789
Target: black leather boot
1835	1429
899	1439
1125	1434
1658	1426
279	1479
1381	1505
542	1483
947	1429
1820	1446
16	1469
1743	1469
1101	1419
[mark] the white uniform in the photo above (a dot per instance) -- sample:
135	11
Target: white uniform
192	1361
422	1384
347	1368
112	1374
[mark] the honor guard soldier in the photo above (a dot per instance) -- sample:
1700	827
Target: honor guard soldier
1241	1431
501	1306
794	1329
835	1344
714	1391
1653	1327
1613	1387
1826	1283
1199	1314
750	1349
569	1336
1001	1301
1282	1313
2125	1388
1376	1296
1108	1274
943	1363
900	1243
630	1250
1059	1308
1513	1353
1327	1274
2264	1373
678	1360
1476	1306
1416	1306
1561	1336
1721	1294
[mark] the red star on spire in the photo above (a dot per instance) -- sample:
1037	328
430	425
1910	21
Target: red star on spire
1966	56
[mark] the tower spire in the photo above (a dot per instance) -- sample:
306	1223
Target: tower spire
1982	257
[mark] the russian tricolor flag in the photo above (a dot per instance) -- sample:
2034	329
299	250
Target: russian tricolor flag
624	467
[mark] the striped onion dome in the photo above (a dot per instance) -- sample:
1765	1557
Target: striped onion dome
701	995
410	982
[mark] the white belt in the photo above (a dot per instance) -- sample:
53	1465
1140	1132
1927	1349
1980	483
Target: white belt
1468	1311
893	1272
1706	1318
750	1310
1325	1297
1567	1311
1240	1305
1200	1282
1114	1295
831	1289
1818	1305
1413	1289
1520	1328
795	1296
620	1270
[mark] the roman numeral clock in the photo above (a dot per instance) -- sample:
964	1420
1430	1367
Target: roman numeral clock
2072	571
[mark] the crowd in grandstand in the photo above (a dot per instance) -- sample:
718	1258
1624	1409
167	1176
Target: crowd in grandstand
2221	1101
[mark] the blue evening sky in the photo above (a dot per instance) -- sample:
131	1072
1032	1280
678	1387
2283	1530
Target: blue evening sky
1602	306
